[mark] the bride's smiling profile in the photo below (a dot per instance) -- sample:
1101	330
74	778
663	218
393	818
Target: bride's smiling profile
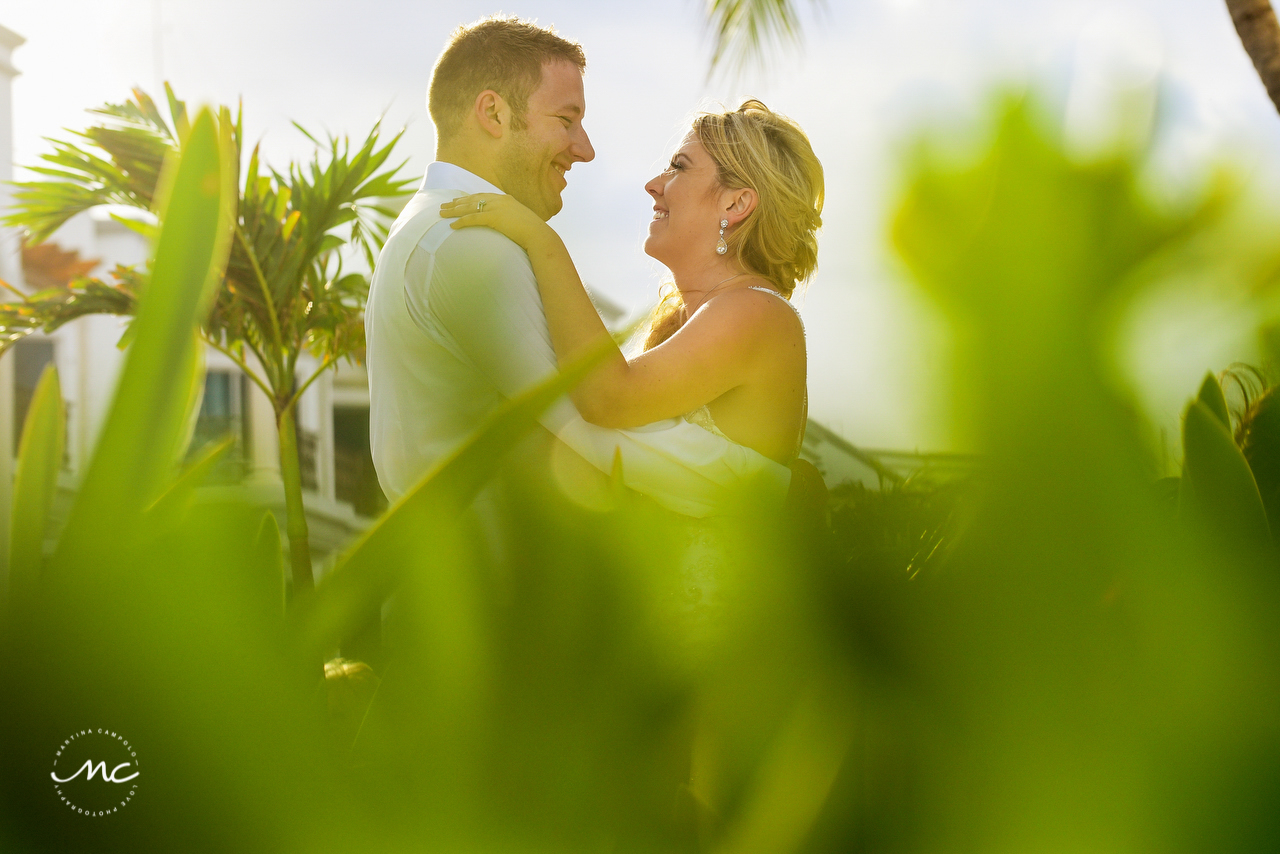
735	220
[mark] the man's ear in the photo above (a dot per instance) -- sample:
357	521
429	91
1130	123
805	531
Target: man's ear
740	204
492	113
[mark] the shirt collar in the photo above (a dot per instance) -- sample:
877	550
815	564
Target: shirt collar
448	176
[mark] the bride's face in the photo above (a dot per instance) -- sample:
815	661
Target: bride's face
686	209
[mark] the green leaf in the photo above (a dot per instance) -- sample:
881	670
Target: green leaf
1217	481
147	230
177	109
282	203
1212	397
970	233
136	141
35	483
176	500
52	307
271	562
289	224
149	411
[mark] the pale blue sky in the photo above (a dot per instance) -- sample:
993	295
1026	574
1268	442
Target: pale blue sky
870	72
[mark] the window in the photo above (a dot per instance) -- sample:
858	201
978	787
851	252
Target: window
222	414
354	479
30	355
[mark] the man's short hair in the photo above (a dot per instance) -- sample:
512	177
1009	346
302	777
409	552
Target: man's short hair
502	54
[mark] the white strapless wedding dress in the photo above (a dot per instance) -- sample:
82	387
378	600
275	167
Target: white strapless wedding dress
704	568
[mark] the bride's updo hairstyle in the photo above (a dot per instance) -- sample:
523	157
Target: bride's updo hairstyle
754	147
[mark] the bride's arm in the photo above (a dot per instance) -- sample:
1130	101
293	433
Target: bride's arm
710	355
574	324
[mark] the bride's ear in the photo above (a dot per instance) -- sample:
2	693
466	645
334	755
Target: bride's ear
741	203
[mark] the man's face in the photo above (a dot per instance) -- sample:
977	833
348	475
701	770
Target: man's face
534	160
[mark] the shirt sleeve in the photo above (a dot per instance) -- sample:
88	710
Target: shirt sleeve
483	298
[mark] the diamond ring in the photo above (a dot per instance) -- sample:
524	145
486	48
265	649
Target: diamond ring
480	205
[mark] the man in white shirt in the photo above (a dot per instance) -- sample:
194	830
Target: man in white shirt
454	321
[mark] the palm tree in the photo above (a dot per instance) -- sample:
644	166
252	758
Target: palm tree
284	291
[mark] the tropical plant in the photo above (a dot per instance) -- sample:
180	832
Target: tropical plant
285	289
1218	485
748	30
1258	436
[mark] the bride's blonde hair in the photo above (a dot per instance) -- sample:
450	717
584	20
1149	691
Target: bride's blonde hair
754	147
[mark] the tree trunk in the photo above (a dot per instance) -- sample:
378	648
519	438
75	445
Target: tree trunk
295	513
1259	31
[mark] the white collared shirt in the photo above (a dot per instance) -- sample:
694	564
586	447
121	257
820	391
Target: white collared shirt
454	326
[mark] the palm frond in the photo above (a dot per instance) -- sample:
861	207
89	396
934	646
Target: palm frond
115	162
747	31
336	199
48	309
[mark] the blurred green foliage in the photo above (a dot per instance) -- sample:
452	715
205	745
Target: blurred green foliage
1044	656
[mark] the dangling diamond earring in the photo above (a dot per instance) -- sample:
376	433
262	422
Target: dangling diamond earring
721	246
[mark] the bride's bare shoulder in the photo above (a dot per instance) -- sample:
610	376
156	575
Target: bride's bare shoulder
747	308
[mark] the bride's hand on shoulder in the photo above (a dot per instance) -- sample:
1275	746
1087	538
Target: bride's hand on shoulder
500	212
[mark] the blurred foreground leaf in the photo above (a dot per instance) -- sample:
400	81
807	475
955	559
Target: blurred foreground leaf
1214	400
140	441
1080	659
35	483
1216	479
